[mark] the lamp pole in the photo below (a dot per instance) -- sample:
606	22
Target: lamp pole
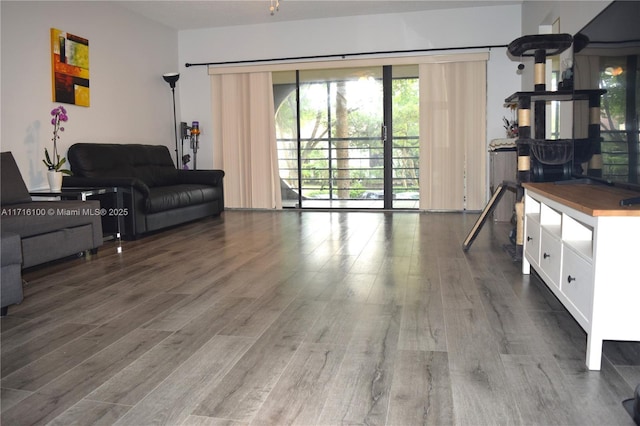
171	78
175	126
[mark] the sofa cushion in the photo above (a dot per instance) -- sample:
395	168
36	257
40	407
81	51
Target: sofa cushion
99	160
40	217
14	190
156	175
11	249
37	249
10	275
152	164
164	198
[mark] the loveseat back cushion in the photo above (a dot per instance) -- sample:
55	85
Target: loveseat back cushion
152	164
13	191
99	160
172	197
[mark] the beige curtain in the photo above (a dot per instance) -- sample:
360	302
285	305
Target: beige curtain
245	139
453	135
453	150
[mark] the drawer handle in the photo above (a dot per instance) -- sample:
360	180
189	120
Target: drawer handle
570	278
529	238
546	255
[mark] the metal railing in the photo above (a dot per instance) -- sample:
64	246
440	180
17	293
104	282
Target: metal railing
354	171
620	159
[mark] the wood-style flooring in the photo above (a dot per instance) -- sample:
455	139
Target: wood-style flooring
307	318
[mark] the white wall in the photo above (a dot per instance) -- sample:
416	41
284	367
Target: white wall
496	25
130	102
573	15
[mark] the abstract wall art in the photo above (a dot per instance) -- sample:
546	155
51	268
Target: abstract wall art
70	68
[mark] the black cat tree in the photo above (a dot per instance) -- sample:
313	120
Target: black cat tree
540	159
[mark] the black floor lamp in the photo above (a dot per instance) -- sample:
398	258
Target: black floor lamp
171	78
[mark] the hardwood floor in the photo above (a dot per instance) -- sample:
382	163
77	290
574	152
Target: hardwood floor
273	318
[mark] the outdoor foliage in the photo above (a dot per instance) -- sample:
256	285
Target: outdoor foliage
340	128
615	146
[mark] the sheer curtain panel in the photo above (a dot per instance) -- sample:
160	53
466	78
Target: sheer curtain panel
453	149
245	135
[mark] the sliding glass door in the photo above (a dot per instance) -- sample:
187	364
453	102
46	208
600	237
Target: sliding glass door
404	143
348	138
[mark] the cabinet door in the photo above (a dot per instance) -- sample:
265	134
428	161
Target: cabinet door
550	256
577	285
532	240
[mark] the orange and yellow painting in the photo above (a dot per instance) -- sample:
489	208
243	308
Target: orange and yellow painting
70	68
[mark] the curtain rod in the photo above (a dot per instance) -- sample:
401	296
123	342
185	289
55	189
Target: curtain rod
341	55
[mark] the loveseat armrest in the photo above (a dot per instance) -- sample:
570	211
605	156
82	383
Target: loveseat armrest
204	177
123	182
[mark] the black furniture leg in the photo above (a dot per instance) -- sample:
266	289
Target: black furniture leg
632	406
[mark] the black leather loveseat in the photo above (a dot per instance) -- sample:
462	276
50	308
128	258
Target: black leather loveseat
155	194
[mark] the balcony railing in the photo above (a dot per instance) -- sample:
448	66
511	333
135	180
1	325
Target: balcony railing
620	158
354	171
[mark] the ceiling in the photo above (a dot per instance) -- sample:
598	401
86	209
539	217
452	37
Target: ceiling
194	14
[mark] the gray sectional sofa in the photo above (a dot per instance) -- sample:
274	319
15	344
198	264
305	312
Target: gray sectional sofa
47	230
11	274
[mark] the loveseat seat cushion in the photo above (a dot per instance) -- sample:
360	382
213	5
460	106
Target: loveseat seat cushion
164	198
152	164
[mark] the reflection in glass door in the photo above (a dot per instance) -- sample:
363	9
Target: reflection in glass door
331	135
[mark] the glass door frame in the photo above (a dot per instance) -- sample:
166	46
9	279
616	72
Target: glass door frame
385	199
387	135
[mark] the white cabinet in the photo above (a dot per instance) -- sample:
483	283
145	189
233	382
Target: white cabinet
585	248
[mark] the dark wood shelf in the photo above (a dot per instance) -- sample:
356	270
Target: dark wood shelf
594	200
559	95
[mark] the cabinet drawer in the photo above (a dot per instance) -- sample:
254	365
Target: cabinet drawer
577	284
550	256
532	240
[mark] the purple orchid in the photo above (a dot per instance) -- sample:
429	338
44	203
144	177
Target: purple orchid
59	115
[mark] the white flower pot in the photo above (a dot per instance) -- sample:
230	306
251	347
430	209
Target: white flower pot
55	180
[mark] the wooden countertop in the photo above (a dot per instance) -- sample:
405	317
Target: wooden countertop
594	200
